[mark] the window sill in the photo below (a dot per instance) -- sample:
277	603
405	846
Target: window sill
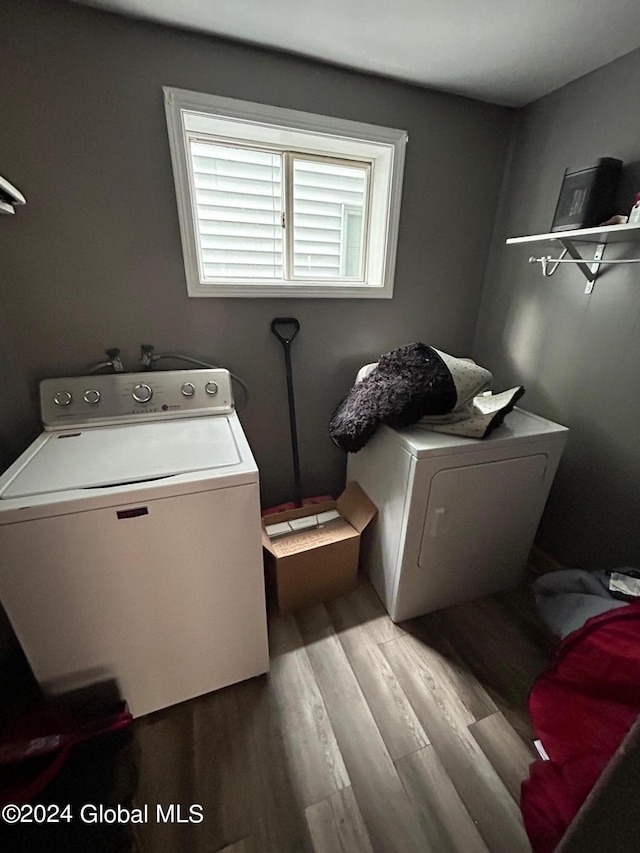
295	290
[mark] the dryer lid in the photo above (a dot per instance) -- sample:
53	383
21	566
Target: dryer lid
131	453
518	427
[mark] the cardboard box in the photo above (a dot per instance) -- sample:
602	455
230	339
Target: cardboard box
321	562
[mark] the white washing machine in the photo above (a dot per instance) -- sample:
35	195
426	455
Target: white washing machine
130	539
456	516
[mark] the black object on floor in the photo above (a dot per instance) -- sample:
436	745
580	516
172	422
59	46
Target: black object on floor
62	783
99	773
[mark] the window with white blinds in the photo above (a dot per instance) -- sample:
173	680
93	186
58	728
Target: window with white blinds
274	202
329	202
239	207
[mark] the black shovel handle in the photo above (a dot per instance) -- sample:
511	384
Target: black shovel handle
285	340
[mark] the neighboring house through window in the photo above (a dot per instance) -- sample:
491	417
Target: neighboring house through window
276	202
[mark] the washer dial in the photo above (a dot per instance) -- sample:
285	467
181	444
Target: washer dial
188	389
142	393
62	398
92	396
211	388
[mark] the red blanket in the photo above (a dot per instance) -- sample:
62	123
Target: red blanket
581	709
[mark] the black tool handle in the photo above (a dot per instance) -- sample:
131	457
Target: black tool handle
285	340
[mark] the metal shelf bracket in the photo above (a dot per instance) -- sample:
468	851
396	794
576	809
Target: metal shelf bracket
589	270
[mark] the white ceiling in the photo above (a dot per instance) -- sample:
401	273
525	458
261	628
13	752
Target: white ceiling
504	51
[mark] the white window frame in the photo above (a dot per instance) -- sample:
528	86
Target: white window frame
349	210
306	134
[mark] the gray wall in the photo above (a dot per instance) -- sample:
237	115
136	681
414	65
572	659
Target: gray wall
17	427
18	423
577	355
94	260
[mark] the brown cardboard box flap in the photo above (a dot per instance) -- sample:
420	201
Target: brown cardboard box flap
299	512
306	540
354	506
287	515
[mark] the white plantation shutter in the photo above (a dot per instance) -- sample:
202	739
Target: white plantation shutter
238	198
329	200
238	195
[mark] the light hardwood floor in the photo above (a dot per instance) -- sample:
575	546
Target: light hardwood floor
365	736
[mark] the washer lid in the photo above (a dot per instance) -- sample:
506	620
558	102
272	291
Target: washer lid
116	455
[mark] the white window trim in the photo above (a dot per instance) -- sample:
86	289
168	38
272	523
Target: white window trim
383	147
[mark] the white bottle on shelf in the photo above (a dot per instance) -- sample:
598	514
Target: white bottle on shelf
634	216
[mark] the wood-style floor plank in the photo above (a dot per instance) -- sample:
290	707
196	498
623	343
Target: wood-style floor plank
224	751
302	760
438	650
336	825
166	775
508	755
220	735
520	612
244	846
314	758
390	818
445	820
489	639
369	611
264	778
445	720
395	718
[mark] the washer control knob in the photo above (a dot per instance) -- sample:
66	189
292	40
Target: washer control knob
62	398
211	388
142	393
92	396
188	389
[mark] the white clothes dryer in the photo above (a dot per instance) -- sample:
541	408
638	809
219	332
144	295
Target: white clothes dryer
130	539
456	516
